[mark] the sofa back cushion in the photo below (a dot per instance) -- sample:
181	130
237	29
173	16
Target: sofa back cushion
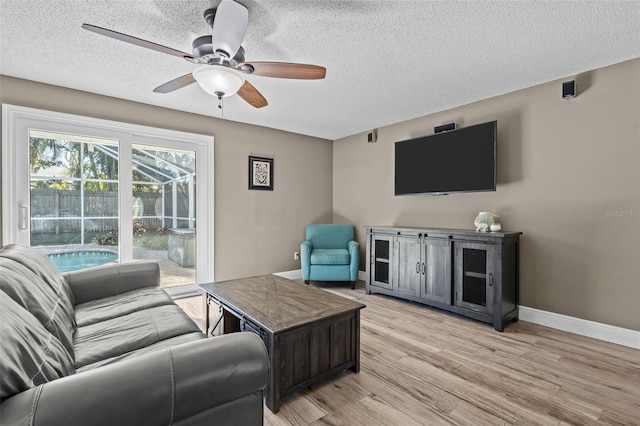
29	354
34	295
32	281
40	265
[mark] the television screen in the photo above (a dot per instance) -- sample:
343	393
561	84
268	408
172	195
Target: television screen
462	160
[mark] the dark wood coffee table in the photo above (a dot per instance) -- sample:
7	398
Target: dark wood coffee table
309	333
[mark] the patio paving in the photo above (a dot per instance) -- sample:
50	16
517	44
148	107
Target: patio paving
171	274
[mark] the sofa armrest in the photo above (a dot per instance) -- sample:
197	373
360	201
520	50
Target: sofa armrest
110	280
159	388
305	258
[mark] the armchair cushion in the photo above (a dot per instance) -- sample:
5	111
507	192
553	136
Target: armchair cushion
330	257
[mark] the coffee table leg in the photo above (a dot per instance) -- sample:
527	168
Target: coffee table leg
356	333
272	391
205	309
270	398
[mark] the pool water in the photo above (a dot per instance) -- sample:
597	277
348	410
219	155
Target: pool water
74	260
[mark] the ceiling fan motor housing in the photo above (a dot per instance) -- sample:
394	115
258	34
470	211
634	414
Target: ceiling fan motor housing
203	47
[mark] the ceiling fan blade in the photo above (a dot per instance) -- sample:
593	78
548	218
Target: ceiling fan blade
229	27
139	42
175	84
287	70
251	95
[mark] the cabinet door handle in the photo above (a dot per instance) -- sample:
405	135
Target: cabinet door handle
423	269
417	267
490	279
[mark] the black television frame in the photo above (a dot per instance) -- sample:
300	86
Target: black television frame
444	135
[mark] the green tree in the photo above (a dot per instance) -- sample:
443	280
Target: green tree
72	159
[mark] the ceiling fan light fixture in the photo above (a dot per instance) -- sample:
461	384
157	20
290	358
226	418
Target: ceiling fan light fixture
218	80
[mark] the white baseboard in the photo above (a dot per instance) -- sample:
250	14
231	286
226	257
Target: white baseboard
608	333
296	274
597	330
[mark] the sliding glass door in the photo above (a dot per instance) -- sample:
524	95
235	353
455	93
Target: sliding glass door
164	211
96	192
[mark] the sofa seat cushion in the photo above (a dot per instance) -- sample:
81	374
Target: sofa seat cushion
29	354
184	338
121	304
119	335
330	257
30	291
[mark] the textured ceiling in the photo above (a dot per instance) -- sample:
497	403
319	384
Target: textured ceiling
387	61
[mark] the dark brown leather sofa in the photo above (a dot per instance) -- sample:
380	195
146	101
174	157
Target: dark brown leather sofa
107	346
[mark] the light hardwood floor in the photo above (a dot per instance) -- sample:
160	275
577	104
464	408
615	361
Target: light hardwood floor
421	366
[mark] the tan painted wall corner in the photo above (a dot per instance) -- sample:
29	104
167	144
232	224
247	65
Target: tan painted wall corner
568	177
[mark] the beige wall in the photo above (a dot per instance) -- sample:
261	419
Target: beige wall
564	167
256	232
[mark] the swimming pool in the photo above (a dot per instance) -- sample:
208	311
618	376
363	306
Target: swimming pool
74	260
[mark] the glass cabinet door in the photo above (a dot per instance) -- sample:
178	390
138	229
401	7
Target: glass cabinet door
474	276
381	252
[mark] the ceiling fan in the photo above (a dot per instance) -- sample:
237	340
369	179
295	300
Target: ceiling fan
220	56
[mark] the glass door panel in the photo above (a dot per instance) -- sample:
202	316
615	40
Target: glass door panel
73	198
164	213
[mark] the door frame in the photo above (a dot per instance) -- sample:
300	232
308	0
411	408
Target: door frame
18	120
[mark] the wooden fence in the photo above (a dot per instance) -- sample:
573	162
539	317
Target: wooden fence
60	211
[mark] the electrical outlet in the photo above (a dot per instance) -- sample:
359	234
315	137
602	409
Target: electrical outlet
296	255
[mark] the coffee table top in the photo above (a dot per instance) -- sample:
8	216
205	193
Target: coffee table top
278	304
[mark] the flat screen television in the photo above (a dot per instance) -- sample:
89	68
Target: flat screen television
462	160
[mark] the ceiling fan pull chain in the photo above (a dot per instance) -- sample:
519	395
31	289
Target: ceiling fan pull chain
221	105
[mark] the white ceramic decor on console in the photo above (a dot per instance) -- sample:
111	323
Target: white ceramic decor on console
484	221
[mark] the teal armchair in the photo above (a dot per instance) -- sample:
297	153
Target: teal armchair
330	253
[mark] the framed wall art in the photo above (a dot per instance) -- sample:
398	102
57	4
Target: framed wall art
261	173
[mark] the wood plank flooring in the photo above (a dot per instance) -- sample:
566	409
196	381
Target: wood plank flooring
421	366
